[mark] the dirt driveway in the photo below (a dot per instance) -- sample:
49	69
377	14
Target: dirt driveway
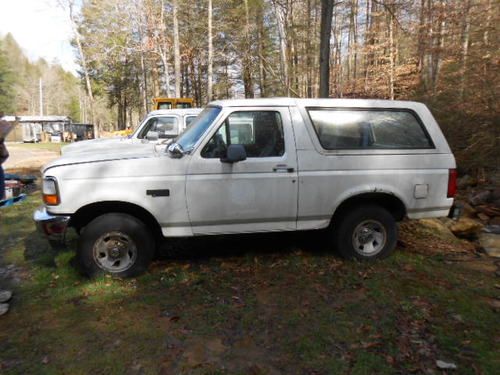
28	156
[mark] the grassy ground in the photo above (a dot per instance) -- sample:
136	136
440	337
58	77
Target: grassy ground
267	304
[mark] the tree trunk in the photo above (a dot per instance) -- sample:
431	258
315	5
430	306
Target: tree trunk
391	56
324	49
210	53
338	63
70	4
261	50
368	37
280	17
247	61
465	47
144	86
488	24
155	80
436	61
421	45
336	54
199	83
355	43
177	53
429	43
163	50
309	90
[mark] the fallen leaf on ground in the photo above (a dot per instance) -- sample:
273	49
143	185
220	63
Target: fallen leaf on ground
445	365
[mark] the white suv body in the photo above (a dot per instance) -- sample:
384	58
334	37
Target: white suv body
264	165
164	124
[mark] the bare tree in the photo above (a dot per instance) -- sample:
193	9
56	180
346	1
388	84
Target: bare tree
210	53
465	46
247	58
324	49
69	6
177	52
161	44
280	13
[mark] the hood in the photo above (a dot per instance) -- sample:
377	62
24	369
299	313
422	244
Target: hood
118	151
93	144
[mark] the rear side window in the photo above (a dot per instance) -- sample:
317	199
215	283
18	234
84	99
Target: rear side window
368	129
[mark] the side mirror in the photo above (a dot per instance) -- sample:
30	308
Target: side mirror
152	136
234	154
175	150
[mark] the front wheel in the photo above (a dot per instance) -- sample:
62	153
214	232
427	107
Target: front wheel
116	244
365	233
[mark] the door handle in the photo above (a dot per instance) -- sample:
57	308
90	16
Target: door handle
283	169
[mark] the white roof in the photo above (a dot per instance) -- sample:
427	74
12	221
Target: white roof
276	102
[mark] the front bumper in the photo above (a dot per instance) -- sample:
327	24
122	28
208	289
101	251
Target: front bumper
53	227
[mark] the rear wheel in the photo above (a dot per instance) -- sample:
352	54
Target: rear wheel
365	233
116	244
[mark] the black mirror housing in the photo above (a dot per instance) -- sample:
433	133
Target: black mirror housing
234	154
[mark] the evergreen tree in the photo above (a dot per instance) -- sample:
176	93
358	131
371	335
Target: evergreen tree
6	84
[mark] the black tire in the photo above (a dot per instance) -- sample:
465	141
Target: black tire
131	244
353	224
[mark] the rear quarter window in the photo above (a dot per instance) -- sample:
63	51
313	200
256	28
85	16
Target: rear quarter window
369	129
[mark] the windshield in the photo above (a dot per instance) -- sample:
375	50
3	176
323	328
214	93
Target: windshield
197	128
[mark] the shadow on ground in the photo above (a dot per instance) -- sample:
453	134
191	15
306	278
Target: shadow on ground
198	249
262	244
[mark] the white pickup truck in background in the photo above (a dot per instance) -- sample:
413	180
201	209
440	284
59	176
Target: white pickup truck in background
158	126
354	167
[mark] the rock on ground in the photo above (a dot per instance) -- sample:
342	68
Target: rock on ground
437	226
466	227
490	242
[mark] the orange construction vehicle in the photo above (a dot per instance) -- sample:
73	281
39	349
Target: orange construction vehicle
171	103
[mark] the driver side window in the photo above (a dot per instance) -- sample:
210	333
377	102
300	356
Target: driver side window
260	132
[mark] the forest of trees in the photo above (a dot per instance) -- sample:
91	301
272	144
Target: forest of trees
444	53
20	84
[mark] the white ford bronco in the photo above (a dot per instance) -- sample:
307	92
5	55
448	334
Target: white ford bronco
353	167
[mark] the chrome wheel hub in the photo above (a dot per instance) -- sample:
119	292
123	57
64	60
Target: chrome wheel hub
115	252
369	238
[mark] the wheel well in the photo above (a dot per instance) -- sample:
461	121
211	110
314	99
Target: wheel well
86	214
390	202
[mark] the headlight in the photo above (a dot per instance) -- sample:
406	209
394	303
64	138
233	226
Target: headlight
50	191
